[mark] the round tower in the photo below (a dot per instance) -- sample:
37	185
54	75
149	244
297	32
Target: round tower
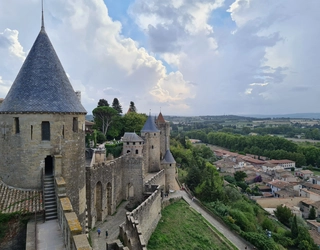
42	126
169	165
151	136
164	128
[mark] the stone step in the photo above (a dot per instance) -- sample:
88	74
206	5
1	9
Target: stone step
51	210
52	217
49	200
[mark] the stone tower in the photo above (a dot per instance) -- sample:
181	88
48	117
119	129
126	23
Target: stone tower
133	144
169	165
42	126
151	136
164	128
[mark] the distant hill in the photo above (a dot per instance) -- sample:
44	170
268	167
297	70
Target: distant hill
89	117
295	115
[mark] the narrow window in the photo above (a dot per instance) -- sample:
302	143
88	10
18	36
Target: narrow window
17	125
152	146
45	129
31	132
75	124
134	143
127	143
63	131
140	143
137	151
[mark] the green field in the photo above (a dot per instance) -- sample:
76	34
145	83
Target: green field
180	227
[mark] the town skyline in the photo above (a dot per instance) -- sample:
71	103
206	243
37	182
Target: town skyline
183	57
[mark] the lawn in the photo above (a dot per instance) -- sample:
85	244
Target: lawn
180	227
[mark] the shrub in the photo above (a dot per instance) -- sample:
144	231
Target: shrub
114	149
261	241
242	220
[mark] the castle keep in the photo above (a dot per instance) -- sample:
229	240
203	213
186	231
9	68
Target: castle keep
42	138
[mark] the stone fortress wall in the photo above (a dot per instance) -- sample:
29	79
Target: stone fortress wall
110	182
141	222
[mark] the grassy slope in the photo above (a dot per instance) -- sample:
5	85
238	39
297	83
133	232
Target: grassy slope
182	228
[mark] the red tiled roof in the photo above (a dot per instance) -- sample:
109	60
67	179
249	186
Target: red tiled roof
14	200
160	118
280	161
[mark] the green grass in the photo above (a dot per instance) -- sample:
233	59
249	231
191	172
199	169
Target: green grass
182	228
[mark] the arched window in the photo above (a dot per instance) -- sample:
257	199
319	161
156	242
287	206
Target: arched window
137	151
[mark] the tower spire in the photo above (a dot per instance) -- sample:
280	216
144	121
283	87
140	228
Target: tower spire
42	18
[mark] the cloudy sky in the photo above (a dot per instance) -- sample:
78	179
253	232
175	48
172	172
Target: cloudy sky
187	57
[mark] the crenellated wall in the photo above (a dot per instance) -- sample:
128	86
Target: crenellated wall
141	222
158	179
68	220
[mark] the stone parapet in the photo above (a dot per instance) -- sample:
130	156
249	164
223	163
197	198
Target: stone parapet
156	179
142	221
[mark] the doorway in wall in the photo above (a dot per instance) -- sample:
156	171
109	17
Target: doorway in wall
48	165
130	191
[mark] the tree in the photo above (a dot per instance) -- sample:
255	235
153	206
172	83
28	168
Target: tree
116	105
103	117
240	175
294	228
102	103
283	214
132	107
133	122
312	214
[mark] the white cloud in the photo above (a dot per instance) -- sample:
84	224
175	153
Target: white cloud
245	56
100	61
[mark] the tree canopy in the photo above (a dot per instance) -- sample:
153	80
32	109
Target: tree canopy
103	117
133	122
116	105
103	102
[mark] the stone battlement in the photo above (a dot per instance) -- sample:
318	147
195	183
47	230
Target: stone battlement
155	180
70	225
142	221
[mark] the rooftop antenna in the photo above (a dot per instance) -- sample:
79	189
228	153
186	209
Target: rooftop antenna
42	19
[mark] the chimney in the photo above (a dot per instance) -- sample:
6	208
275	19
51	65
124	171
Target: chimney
78	93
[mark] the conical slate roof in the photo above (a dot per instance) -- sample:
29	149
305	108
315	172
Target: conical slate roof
42	84
149	126
168	158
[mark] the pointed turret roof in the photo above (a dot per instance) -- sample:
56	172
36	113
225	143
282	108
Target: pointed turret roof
149	126
42	84
160	118
168	158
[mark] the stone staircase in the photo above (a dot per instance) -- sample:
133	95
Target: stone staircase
49	195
